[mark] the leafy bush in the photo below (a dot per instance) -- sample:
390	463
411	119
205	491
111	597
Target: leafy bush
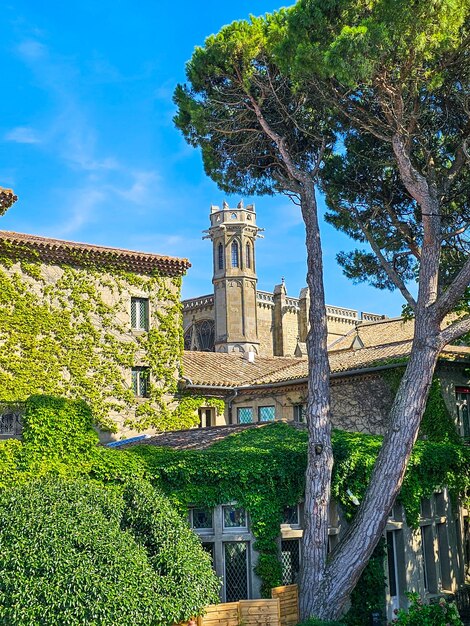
76	553
419	614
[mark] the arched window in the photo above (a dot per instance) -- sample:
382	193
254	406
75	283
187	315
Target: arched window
220	254
200	336
235	257
248	255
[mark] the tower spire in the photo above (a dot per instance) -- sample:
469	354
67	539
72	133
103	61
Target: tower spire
233	233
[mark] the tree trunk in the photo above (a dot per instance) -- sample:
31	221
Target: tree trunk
320	454
351	556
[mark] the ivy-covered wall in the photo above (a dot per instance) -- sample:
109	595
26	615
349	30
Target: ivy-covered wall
263	469
66	330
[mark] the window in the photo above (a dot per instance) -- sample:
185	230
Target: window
200	336
201	519
392	562
10	424
290	561
236	570
235	256
290	515
140	313
234	517
140	381
435	548
205	417
208	546
245	414
248	255
220	256
300	413
266	413
463	405
429	562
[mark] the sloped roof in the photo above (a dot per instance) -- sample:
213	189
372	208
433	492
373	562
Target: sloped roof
193	438
376	333
232	370
213	369
57	251
7	198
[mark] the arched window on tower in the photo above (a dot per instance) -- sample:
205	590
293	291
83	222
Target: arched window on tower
235	255
220	254
248	255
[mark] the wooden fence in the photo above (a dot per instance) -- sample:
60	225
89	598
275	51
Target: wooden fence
289	604
281	610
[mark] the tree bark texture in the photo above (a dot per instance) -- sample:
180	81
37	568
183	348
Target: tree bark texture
320	453
329	590
351	556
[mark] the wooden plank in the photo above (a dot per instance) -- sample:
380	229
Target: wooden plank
260	612
289	604
264	602
283	589
221	615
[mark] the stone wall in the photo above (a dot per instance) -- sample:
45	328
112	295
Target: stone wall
452	376
67	331
361	403
358	404
264	312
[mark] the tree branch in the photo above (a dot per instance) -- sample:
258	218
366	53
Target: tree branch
389	270
454	331
447	301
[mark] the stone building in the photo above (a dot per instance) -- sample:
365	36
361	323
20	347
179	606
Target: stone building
237	317
89	322
433	560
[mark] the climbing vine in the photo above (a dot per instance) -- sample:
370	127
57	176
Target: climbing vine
437	423
262	469
188	404
65	330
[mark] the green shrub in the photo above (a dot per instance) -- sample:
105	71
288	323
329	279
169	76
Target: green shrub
419	614
74	553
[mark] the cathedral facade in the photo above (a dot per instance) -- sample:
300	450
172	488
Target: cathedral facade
237	317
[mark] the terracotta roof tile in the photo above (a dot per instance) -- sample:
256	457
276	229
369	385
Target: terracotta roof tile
232	370
192	438
19	245
376	333
7	198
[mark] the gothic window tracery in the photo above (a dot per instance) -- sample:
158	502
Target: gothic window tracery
200	336
248	255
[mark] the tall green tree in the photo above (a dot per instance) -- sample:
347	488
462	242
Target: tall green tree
397	74
388	78
258	134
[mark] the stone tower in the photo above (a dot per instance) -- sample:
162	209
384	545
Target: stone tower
233	233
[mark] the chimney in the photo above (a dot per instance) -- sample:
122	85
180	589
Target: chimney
249	356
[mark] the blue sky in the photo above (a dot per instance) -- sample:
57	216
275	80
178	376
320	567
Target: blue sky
88	144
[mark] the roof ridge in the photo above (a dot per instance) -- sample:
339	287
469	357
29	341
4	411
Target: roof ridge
69	242
61	250
361	324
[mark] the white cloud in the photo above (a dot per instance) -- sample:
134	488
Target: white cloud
142	189
22	134
80	212
32	50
